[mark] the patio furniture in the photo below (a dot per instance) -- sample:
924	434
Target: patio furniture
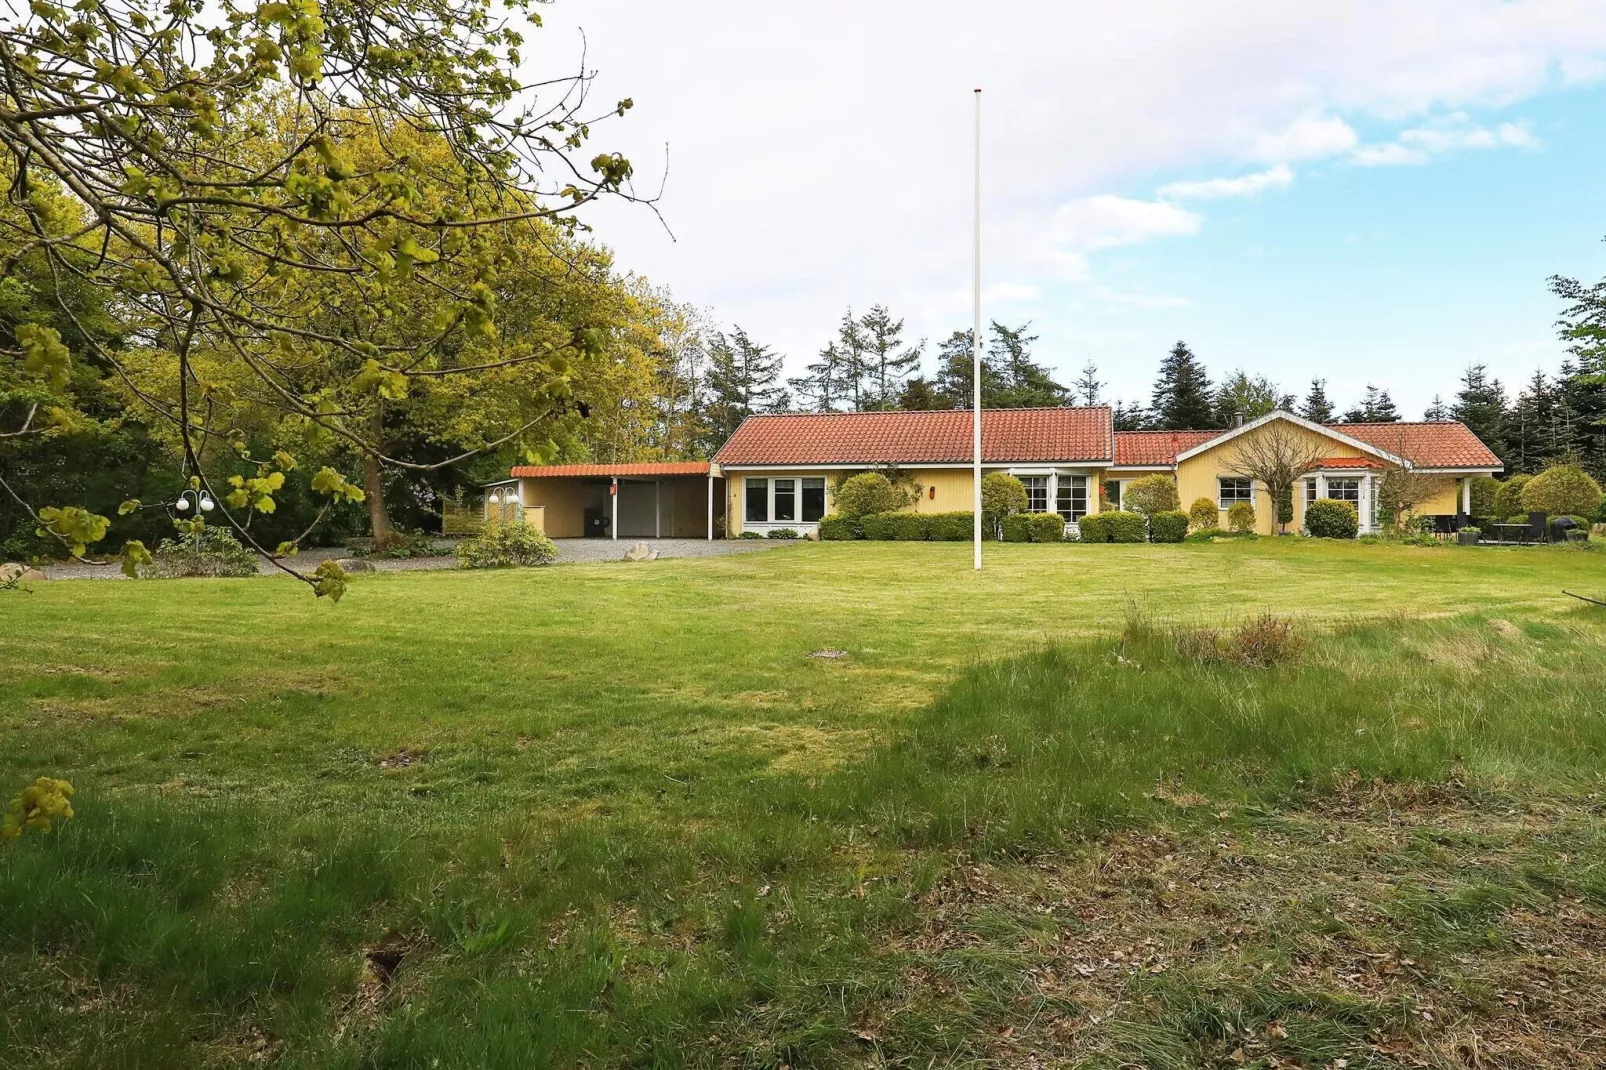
1512	534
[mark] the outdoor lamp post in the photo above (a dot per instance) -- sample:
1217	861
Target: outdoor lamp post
203	503
505	501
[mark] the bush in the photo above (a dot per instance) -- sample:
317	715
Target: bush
1047	527
216	553
1169	526
1016	527
1114	526
1329	519
867	493
1258	643
950	527
1203	514
1562	489
1484	491
839	529
1508	499
1150	495
402	545
896	527
783	533
751	535
506	545
1241	517
1001	495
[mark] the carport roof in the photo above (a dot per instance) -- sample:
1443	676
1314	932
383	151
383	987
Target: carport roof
662	468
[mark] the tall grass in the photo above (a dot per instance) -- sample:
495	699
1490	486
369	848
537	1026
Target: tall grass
728	919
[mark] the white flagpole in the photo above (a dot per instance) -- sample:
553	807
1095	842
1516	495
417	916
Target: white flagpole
975	351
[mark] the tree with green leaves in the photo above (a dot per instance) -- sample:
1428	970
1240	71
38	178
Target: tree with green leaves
1242	397
825	387
1130	416
209	148
1583	374
955	365
744	378
1317	407
887	361
853	353
1182	399
1088	389
1376	407
1026	384
1480	404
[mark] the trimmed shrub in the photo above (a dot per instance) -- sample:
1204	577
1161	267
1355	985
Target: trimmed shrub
216	553
1169	526
1563	489
1203	514
1508	499
1114	526
894	527
1484	491
1016	527
1241	517
839	529
1001	495
1329	519
1150	495
867	493
506	545
782	533
950	527
751	535
1047	527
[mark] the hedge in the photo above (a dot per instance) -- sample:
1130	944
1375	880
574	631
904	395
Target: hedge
839	529
951	527
1562	489
1047	527
1115	526
1016	527
867	493
1329	519
1168	526
894	527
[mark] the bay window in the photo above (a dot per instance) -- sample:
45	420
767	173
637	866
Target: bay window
1345	490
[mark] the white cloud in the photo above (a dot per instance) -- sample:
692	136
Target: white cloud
1391	154
1011	292
1306	138
1251	185
1105	222
1450	133
1139	300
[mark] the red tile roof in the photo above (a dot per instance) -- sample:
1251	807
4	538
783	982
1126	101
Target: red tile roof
1349	462
1157	447
1426	445
669	468
943	436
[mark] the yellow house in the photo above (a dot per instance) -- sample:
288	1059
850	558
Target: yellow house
780	470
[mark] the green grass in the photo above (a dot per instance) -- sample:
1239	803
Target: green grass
617	815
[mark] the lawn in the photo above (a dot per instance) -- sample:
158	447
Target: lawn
620	815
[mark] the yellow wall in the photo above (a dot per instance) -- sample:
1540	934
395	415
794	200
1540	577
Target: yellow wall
1196	476
564	501
1446	499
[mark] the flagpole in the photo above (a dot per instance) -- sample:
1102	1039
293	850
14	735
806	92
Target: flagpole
975	353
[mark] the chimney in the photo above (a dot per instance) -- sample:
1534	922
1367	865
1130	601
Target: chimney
1238	418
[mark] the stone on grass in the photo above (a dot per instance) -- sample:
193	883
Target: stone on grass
641	552
13	571
354	564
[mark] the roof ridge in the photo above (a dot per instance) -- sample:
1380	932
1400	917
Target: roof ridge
929	412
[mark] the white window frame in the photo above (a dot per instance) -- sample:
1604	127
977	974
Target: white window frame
769	522
1069	483
825	497
775	494
1356	480
1223	504
1047	484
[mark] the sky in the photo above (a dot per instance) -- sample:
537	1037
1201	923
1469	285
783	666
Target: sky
1366	192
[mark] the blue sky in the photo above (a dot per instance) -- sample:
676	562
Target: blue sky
1362	190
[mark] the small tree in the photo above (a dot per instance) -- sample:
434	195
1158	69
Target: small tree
1001	495
1151	494
1562	490
1276	455
867	493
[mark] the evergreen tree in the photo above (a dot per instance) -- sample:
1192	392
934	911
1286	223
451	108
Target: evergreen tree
1181	399
823	389
1245	398
743	379
1375	408
1130	416
920	394
1481	405
851	345
953	380
1537	427
886	362
1026	383
1088	390
1317	407
1437	411
1583	376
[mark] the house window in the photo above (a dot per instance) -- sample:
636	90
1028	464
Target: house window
1233	489
786	499
1310	491
1072	494
1345	490
1036	493
813	500
758	500
1112	493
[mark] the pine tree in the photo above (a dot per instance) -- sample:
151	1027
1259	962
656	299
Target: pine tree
1481	405
1375	408
823	389
1130	416
855	366
1243	398
887	362
1181	399
1437	411
1026	384
743	379
920	394
1537	428
1087	389
1317	407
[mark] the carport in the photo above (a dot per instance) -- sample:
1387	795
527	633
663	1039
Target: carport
661	500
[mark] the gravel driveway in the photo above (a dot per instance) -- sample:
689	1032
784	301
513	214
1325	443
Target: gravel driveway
570	551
